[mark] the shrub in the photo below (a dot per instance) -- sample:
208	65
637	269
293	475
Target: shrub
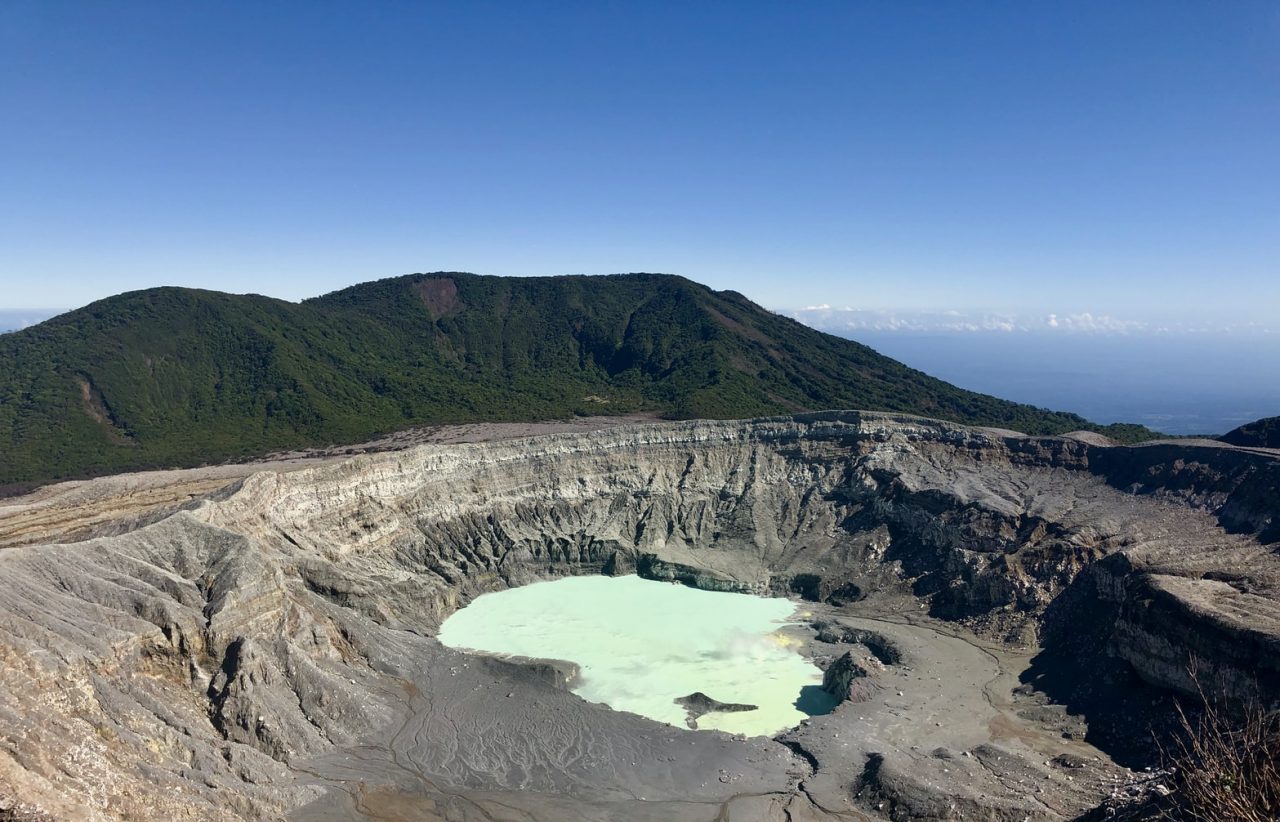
1225	765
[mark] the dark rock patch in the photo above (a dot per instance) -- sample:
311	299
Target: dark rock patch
697	704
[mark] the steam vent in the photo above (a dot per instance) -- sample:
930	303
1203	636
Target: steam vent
996	621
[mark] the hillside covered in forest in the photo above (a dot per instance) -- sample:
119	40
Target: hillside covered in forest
174	376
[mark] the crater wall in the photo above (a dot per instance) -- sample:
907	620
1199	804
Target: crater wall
192	666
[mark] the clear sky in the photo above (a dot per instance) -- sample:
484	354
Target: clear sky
1118	158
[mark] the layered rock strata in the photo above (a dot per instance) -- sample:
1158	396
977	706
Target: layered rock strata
267	648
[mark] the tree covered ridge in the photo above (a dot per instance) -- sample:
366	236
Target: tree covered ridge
1263	433
175	376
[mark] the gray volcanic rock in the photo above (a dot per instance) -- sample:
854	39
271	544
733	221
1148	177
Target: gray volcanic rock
881	647
697	704
846	680
266	648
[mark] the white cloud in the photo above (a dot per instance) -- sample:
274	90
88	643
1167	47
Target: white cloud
844	320
1093	323
852	319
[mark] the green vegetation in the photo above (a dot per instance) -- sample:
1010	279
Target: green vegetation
172	376
1263	433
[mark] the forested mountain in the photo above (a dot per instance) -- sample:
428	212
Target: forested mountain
173	376
1263	433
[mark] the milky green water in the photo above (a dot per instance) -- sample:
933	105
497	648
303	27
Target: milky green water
641	644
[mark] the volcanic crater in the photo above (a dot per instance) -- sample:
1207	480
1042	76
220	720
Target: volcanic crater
1003	618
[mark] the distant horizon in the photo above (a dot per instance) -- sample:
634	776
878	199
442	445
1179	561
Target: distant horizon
1180	379
831	318
824	316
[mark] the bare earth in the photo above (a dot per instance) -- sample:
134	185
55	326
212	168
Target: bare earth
1004	616
73	510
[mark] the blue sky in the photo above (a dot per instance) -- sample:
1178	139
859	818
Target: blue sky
1116	159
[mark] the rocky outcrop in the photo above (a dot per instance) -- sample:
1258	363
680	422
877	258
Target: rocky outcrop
846	680
697	704
1192	634
896	793
190	667
1214	634
880	646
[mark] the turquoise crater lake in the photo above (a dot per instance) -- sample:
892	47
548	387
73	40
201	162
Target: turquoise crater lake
641	644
